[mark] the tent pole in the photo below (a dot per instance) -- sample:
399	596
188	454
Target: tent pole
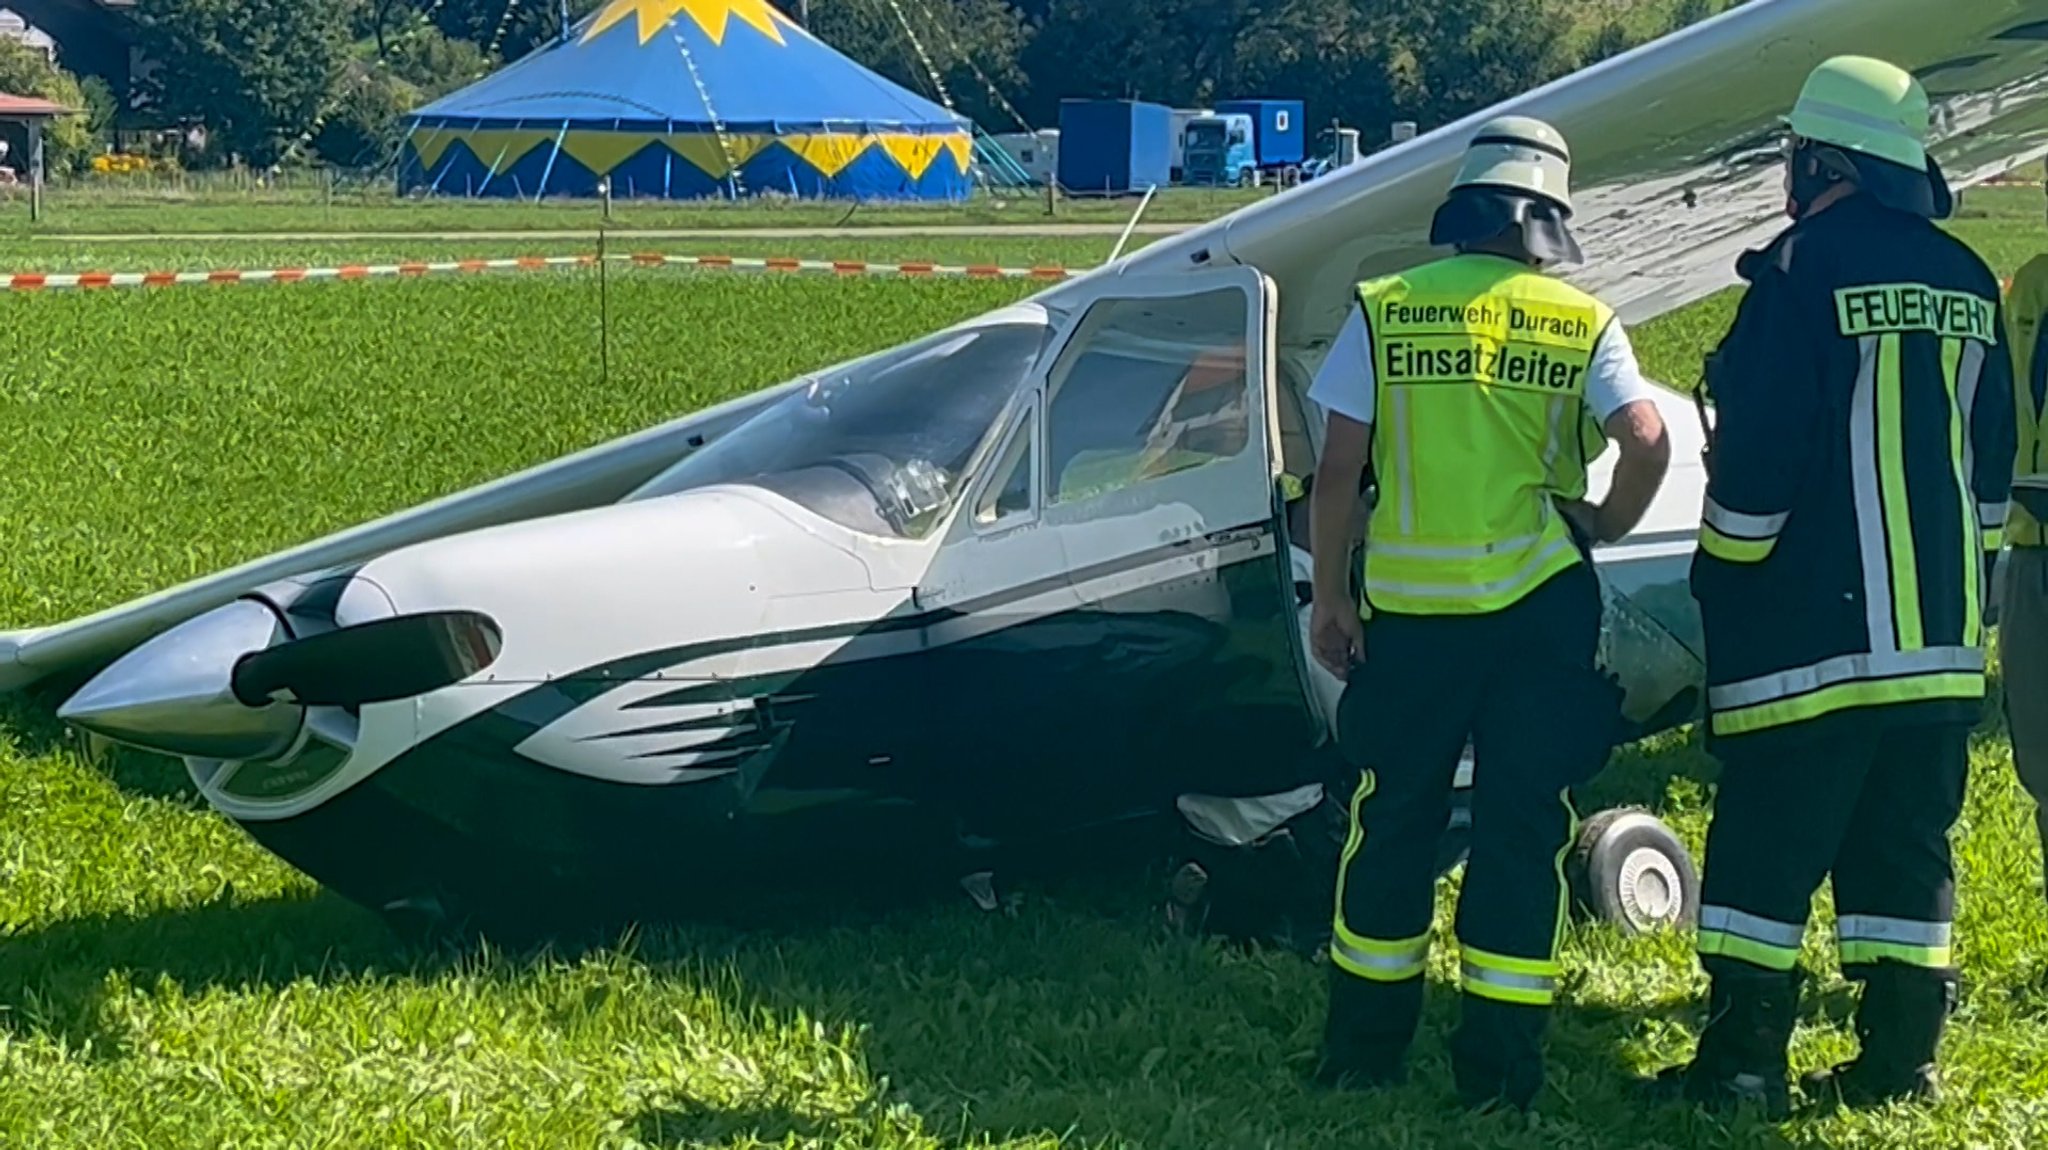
549	172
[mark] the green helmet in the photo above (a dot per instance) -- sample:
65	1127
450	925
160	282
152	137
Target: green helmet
1866	106
1519	154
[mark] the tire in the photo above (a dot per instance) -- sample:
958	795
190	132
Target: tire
1629	869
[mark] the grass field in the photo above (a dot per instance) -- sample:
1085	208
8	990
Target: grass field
165	983
208	206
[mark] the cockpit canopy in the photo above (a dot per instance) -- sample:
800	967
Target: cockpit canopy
881	445
885	445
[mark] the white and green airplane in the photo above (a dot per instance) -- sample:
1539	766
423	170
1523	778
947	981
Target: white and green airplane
1030	575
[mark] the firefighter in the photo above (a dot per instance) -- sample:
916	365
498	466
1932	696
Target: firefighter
1859	465
1478	388
2023	607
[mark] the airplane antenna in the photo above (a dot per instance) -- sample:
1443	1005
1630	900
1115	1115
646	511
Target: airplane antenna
1150	190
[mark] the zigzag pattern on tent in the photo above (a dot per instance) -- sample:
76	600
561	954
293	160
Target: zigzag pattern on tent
527	163
830	153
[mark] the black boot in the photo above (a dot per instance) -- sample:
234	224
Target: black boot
1497	1053
1900	1021
1368	1030
1742	1053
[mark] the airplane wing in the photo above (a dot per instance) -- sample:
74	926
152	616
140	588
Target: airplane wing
1674	147
1673	161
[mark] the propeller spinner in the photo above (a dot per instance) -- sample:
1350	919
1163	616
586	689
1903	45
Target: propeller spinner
234	683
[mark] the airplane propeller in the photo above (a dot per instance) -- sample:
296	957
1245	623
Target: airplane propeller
378	662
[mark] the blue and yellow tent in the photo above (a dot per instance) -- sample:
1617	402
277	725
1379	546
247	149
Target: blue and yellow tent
681	99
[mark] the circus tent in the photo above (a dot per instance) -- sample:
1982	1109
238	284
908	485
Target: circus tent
683	99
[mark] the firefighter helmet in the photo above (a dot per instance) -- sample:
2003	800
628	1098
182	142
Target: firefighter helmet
1875	115
1520	154
1515	182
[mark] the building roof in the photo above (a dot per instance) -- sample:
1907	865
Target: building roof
29	107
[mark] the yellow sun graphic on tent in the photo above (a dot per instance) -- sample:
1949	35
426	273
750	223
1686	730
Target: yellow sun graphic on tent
710	15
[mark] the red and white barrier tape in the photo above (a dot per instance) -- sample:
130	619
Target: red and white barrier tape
41	281
850	267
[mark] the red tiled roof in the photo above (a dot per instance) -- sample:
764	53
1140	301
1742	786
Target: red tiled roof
30	106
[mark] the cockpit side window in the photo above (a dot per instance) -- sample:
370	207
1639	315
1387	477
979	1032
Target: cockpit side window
1010	493
1149	387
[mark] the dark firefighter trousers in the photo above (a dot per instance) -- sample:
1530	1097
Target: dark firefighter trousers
1522	685
1870	802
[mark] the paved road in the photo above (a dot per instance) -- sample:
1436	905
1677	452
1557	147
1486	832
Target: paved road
1025	231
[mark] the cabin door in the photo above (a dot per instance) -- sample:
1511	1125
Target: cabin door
1123	607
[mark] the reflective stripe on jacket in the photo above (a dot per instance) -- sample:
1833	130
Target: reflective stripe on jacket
1862	462
1480	368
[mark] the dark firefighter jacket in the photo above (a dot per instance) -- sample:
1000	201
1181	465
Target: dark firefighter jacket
1859	468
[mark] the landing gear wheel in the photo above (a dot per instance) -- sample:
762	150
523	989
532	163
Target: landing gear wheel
1628	868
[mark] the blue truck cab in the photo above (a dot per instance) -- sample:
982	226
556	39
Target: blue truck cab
1219	151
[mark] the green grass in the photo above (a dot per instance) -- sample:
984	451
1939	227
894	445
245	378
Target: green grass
51	256
165	983
88	209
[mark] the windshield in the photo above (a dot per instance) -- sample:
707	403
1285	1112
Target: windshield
1205	135
880	446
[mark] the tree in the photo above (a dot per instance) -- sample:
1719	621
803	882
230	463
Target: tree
517	27
69	141
257	72
362	129
1329	54
394	70
972	45
1612	39
1454	57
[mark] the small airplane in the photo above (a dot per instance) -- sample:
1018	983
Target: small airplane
1028	576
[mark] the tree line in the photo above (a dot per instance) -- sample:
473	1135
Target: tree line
328	81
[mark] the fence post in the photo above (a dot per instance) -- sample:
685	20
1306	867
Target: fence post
35	171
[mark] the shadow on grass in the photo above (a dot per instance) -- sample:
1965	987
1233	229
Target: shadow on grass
1074	1011
1179	1045
689	1124
1077	1011
54	981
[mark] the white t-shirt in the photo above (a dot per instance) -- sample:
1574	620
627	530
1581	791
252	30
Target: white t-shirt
1344	384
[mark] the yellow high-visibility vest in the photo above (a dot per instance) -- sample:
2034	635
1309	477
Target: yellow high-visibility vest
1480	367
2025	306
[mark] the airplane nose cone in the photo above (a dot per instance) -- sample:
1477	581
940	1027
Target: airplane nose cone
173	694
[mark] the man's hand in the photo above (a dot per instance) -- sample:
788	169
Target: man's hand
1337	637
1584	517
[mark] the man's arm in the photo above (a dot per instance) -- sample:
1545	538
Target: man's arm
1345	388
1625	404
1347	445
1766	400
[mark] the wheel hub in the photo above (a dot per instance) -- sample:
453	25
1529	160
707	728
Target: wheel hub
1650	889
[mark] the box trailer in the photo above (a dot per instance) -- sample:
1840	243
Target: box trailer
1113	146
1035	153
1279	130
